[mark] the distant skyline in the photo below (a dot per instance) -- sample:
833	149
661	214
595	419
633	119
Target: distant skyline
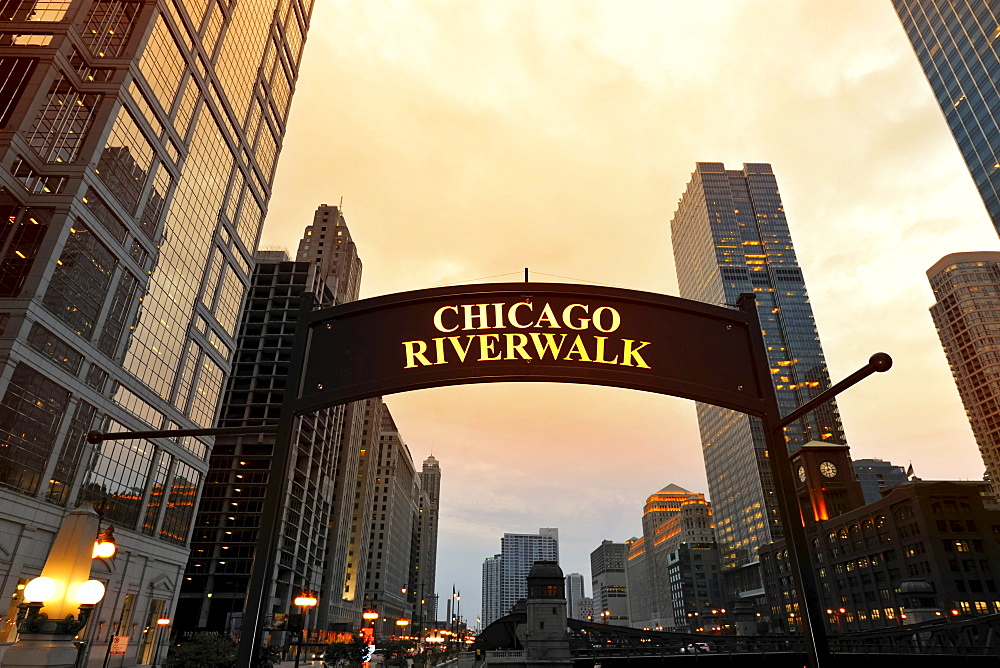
472	140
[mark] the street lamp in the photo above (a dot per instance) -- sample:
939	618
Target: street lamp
162	623
64	590
371	616
305	601
402	624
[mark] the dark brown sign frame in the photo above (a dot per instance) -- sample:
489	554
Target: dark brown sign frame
532	332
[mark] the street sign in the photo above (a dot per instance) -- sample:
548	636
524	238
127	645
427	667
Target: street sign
119	644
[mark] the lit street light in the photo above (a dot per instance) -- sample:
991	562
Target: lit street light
305	601
371	616
161	633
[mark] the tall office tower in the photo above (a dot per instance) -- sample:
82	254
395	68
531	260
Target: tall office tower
393	516
875	475
574	594
226	536
966	314
364	500
610	586
518	553
321	485
640	586
491	590
674	521
425	568
327	243
139	145
955	43
730	237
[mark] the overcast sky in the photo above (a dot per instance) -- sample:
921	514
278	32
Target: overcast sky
473	139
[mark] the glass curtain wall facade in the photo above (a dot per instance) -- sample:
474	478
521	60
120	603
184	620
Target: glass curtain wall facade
730	237
958	45
139	144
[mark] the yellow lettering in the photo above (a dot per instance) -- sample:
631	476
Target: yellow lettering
600	348
498	315
512	315
470	316
459	350
550	344
547	315
631	353
439	319
487	342
518	347
567	315
415	353
579	349
616	319
439	350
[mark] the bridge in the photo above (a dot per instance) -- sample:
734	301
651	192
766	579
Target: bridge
971	641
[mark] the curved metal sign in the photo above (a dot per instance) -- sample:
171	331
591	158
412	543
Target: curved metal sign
533	332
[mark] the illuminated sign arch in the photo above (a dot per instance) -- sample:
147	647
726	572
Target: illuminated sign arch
532	332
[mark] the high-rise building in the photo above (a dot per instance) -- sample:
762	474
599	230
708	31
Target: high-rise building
139	145
574	595
673	569
875	475
504	574
610	587
491	590
518	553
322	487
966	315
956	45
730	237
389	576
425	569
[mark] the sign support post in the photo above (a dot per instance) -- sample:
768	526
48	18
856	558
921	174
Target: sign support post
269	533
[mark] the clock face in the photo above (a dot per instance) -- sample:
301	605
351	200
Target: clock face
828	469
802	473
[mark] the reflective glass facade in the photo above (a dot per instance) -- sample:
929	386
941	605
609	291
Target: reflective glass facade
966	315
958	45
730	237
139	146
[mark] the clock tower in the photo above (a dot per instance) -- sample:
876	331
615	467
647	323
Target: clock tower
824	481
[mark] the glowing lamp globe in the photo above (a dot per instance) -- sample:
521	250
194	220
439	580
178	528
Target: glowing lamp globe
103	550
305	600
371	614
89	592
40	590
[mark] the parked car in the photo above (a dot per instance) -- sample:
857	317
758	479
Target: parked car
696	648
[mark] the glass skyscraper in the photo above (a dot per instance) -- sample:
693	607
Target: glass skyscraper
730	237
956	42
139	141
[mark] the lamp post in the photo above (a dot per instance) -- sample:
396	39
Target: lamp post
371	616
65	591
161	632
402	624
305	601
